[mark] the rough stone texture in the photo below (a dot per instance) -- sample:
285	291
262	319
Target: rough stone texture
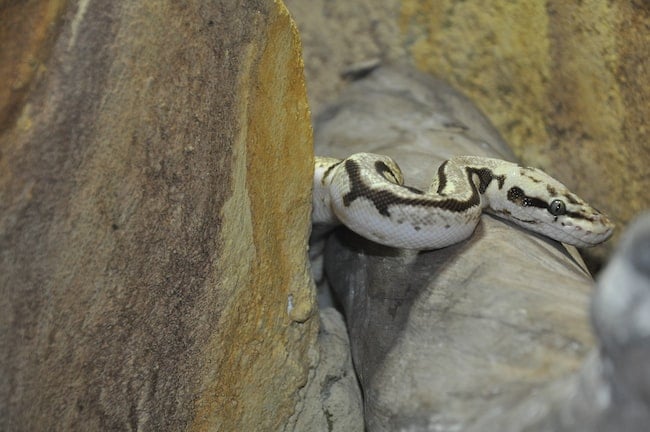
152	157
336	34
610	393
446	339
332	398
566	83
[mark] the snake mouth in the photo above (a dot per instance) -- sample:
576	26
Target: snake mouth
524	221
583	237
568	233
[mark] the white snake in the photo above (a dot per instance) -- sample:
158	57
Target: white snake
365	192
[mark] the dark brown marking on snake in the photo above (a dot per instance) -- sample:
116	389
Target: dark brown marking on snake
516	195
485	178
551	190
572	199
384	171
577	215
387	173
442	178
501	180
382	199
414	190
330	168
519	197
524	173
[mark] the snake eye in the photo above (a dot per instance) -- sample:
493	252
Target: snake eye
557	207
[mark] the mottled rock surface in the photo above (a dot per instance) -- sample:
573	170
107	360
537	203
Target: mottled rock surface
566	83
152	157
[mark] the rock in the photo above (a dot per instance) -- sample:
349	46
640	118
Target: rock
611	393
442	338
332	398
621	317
153	158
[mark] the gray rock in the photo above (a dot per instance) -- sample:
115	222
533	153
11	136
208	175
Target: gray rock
457	337
331	401
611	391
621	317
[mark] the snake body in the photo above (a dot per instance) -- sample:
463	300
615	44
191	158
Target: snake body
366	192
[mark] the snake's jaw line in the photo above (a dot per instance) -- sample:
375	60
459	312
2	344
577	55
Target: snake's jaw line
365	193
540	203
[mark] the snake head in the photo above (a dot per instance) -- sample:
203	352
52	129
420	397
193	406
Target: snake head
540	203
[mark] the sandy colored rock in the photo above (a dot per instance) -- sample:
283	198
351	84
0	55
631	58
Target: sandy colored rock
566	83
152	158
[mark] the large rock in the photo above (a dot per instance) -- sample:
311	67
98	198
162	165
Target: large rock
444	339
153	158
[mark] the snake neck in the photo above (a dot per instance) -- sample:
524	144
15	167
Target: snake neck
472	178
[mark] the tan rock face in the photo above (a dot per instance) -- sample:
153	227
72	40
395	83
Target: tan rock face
154	180
564	82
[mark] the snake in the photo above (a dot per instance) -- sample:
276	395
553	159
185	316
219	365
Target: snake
366	193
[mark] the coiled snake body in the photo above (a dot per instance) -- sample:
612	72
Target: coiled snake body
366	193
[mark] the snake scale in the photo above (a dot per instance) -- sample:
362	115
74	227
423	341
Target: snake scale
366	192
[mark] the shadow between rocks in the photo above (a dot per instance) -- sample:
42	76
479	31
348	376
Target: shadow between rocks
389	282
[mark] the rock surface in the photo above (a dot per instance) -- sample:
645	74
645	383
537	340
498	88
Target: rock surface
332	398
610	393
566	83
152	157
442	340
